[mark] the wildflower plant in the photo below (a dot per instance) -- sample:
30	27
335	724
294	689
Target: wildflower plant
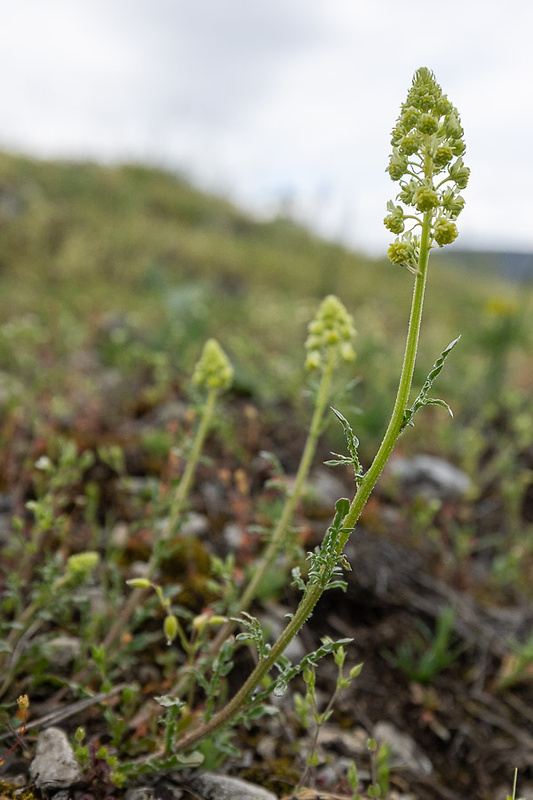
213	375
427	162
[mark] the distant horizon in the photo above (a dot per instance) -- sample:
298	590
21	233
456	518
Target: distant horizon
457	248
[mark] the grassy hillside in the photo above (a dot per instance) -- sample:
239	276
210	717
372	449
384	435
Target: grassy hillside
127	253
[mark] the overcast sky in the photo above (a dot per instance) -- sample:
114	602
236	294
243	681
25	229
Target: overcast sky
270	101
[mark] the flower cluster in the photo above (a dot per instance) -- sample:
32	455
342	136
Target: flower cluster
427	162
213	370
331	332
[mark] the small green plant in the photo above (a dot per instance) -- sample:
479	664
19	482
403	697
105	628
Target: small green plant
517	666
428	654
513	795
213	374
56	592
306	706
380	770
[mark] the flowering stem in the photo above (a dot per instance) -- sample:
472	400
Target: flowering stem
314	592
284	521
184	486
264	666
406	378
176	508
426	139
278	537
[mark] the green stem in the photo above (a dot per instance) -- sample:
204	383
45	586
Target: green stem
314	592
176	509
284	521
239	700
404	388
306	460
184	486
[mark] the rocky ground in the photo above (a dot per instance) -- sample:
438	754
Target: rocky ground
460	734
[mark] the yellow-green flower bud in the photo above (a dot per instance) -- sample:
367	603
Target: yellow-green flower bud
458	147
452	202
81	565
409	144
394	221
347	353
394	224
139	583
459	173
405	251
397	165
427	124
452	126
426	198
407	194
313	360
170	627
443	155
443	106
331	331
410	117
445	231
399	252
213	370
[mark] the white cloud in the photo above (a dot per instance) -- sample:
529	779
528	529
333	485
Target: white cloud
273	97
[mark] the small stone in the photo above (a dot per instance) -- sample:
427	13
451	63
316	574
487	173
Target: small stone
404	751
165	790
210	786
140	793
54	765
323	489
233	535
62	650
63	794
430	477
194	525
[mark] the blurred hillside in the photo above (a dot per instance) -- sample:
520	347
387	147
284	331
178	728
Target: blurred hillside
111	257
511	266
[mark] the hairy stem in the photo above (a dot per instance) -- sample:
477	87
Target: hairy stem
314	592
176	508
280	531
406	378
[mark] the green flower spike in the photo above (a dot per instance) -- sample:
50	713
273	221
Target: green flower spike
213	370
427	148
80	565
331	335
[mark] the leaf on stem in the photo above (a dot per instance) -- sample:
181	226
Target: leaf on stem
353	446
423	399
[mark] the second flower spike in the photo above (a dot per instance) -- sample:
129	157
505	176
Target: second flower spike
331	334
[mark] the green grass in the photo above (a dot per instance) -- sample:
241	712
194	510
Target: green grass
83	247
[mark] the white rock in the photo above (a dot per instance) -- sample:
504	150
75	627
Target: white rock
54	765
140	793
430	476
62	650
323	489
210	786
404	751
